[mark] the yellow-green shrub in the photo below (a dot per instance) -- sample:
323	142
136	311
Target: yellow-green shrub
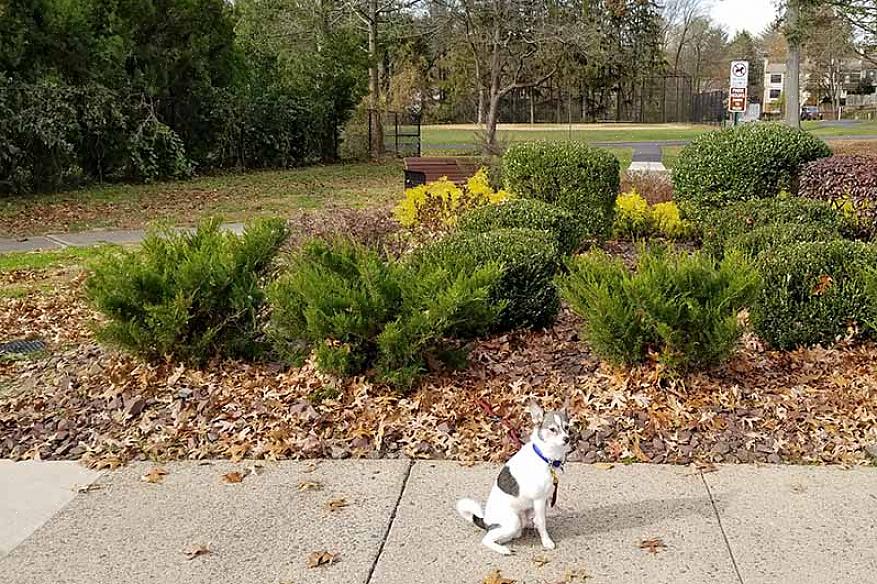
668	221
634	218
438	205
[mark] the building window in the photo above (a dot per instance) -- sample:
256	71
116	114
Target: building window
776	78
775	93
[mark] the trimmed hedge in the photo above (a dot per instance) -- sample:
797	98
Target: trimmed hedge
526	214
529	261
849	182
572	175
767	237
813	292
743	217
751	161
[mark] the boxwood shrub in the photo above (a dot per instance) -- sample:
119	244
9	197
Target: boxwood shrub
766	237
740	218
751	161
526	214
849	182
813	292
529	261
572	175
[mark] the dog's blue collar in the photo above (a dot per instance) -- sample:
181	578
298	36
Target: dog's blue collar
548	461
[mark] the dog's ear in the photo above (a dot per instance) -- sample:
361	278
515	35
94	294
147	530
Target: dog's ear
536	412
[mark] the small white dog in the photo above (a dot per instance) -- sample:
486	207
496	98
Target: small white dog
526	484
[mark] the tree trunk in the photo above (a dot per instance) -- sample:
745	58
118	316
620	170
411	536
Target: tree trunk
793	65
481	100
492	120
374	82
532	94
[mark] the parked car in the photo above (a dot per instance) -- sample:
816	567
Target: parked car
810	112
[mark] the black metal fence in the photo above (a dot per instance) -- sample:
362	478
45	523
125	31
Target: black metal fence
650	100
400	131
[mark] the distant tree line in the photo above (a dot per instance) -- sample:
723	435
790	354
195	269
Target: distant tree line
98	90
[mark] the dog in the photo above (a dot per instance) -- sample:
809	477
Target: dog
527	482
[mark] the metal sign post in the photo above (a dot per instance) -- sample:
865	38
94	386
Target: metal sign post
739	88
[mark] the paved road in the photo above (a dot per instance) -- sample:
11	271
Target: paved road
738	525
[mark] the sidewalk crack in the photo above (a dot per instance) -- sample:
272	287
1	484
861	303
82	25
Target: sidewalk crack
390	522
722	528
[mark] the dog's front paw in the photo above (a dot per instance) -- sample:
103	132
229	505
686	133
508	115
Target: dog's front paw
548	544
504	550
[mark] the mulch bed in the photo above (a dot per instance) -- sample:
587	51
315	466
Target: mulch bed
107	408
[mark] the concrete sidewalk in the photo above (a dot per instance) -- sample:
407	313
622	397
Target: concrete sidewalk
56	241
741	524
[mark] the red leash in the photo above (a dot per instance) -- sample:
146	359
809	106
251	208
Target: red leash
488	411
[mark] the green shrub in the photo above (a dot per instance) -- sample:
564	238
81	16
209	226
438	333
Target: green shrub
681	308
191	296
526	214
812	292
571	175
746	162
743	217
766	237
529	261
359	312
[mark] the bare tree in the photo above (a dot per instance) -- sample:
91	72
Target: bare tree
679	17
372	13
515	44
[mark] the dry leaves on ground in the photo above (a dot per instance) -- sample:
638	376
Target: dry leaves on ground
540	561
233	477
337	504
155	475
309	486
321	558
105	408
653	545
197	550
496	577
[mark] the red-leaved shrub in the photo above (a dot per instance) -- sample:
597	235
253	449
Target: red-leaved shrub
848	181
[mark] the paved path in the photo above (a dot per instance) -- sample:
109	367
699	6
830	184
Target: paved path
56	241
739	525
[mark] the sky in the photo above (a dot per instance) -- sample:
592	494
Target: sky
736	15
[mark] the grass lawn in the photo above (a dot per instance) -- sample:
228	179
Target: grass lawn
457	136
832	130
670	154
235	197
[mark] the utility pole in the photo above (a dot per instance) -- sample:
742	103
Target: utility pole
793	64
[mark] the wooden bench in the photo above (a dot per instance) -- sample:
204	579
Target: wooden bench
419	171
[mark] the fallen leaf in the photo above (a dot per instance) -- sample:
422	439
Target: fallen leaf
309	486
603	465
466	463
822	286
540	561
703	467
495	577
198	550
323	558
653	545
88	488
311	467
337	504
234	476
571	576
175	376
155	475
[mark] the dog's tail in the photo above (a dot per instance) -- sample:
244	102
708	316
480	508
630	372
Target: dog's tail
471	511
